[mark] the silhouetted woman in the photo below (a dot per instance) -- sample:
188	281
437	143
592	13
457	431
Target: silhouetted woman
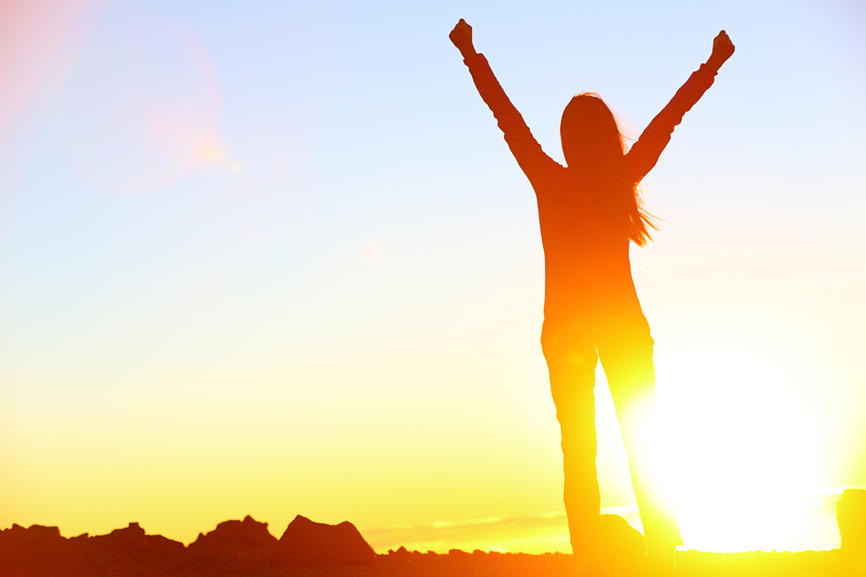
589	211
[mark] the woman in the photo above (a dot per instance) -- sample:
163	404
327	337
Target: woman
589	211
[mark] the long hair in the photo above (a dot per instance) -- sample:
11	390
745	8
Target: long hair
594	148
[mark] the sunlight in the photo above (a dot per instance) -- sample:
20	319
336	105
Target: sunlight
275	258
745	448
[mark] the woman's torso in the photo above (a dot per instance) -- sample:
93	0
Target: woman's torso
586	254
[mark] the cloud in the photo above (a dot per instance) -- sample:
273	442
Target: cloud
537	533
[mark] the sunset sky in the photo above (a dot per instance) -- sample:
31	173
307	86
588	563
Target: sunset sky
275	258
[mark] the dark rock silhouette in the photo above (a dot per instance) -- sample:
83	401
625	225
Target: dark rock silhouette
623	541
129	547
236	540
40	550
306	542
35	548
34	536
132	540
240	548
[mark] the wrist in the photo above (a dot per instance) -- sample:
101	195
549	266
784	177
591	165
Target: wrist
468	52
714	62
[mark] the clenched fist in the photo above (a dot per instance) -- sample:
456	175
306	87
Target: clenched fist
461	37
722	50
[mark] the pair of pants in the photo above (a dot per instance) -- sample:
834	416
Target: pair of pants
625	349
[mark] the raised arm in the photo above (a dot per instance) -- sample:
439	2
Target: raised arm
523	145
646	151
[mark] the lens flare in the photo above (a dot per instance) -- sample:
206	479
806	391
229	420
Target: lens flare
143	106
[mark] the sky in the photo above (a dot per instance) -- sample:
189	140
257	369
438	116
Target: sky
276	259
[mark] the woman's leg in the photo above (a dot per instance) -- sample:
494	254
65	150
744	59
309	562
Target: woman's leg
571	366
628	365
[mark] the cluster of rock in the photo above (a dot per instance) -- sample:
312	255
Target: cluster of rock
246	548
234	547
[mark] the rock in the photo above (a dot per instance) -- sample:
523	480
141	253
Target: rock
851	518
36	549
400	553
43	551
235	539
624	546
128	548
35	535
308	543
131	540
622	538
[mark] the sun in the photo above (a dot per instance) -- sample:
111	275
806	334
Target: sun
744	441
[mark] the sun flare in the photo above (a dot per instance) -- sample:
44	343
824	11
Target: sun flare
745	455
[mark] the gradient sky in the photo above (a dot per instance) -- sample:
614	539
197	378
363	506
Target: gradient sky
277	259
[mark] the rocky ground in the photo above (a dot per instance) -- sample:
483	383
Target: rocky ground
414	564
308	549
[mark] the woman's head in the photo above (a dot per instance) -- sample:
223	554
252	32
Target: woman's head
594	149
589	133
